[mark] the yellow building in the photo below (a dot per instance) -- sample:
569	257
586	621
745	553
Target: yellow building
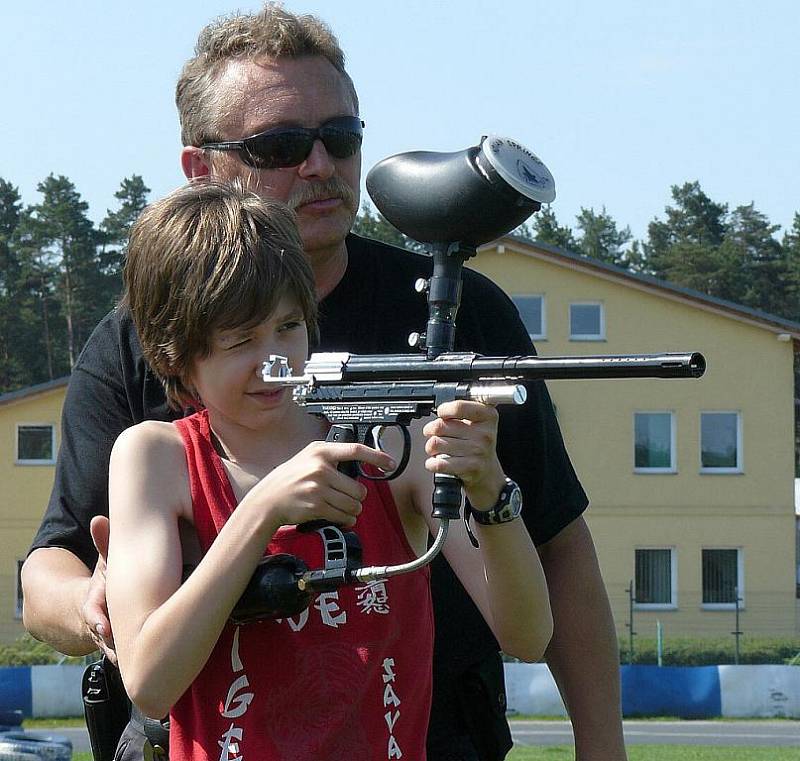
29	438
690	481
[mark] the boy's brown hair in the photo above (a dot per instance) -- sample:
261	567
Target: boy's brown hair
210	256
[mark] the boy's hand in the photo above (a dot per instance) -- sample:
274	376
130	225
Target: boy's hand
309	487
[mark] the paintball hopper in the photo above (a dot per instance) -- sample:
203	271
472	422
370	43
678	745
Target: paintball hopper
471	196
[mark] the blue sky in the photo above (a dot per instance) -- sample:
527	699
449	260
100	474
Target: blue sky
621	99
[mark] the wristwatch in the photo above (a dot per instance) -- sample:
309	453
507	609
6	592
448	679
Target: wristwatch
507	508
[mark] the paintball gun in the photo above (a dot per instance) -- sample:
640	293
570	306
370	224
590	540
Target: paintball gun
453	202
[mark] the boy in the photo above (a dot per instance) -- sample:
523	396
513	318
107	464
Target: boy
216	281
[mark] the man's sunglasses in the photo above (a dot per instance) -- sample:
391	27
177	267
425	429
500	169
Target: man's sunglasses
290	146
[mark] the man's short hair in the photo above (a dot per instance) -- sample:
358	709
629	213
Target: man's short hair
273	33
210	256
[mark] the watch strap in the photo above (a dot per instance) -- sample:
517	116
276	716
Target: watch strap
507	508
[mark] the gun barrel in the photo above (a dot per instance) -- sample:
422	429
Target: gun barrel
455	366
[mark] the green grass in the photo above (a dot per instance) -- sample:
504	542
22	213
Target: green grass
42	724
638	753
564	752
728	719
658	753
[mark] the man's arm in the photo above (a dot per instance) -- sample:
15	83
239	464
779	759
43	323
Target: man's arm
55	586
583	655
63	581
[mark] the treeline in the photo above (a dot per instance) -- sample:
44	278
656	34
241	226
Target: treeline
60	273
736	254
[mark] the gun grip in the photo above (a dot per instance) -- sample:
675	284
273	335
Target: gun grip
345	434
447	497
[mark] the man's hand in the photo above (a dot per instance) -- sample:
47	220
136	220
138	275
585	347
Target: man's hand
95	609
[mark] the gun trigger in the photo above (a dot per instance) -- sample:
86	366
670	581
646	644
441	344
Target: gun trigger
376	434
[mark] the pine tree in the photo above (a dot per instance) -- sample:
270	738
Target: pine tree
116	226
685	248
545	229
372	224
39	311
791	255
113	238
756	267
67	245
601	239
12	368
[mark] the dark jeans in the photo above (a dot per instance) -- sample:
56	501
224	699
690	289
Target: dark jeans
134	744
131	744
468	721
454	748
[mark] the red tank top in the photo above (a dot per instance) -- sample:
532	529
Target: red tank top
349	678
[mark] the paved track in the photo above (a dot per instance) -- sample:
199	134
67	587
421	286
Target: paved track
785	733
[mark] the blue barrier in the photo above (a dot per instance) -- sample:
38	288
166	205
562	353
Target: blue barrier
41	691
15	689
692	692
689	693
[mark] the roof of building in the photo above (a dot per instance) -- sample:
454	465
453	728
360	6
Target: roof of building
776	324
39	388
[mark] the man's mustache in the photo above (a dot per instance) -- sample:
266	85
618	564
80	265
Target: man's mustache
334	187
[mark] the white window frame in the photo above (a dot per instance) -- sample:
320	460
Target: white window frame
673	567
18	460
739	581
739	467
673	448
601	336
534	336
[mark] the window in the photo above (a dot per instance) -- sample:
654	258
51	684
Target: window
18	596
723	578
654	442
35	444
656	578
587	321
720	442
531	310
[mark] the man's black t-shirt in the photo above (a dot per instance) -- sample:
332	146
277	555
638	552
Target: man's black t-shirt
371	311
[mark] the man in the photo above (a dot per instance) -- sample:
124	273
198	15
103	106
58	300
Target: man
280	81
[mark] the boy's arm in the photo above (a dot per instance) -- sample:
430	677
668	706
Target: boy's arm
162	642
165	630
504	576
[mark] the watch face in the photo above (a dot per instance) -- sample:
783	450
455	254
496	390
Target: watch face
508	507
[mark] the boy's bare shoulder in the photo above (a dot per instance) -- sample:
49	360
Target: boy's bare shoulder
148	468
153	441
